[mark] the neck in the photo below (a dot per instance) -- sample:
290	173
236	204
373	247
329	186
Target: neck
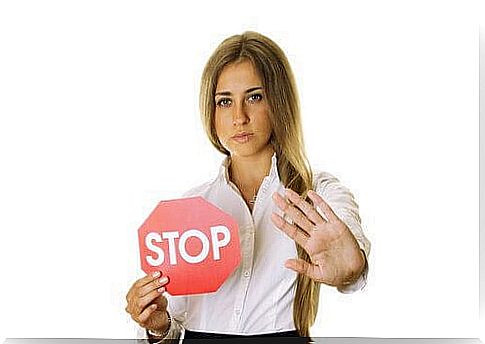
249	172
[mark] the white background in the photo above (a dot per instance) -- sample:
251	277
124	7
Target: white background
99	121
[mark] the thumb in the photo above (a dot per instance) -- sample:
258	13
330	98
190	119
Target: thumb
304	268
298	265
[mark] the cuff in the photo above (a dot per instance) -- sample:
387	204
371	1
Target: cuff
173	336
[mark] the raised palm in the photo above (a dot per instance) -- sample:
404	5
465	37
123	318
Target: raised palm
336	258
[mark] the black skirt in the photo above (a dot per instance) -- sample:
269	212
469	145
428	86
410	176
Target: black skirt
289	337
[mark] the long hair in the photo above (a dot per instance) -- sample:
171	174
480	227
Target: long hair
287	138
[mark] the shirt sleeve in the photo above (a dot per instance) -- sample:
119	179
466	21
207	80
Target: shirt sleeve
343	203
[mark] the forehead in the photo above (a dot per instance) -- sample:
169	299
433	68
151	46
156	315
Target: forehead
238	76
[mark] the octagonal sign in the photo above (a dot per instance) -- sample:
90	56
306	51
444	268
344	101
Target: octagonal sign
192	242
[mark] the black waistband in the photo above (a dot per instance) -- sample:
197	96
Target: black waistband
204	337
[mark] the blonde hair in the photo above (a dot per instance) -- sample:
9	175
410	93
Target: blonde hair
287	138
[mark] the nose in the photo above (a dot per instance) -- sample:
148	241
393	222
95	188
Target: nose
240	115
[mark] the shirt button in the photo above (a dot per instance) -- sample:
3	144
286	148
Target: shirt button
246	274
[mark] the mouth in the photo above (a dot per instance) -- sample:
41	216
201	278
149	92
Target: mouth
242	137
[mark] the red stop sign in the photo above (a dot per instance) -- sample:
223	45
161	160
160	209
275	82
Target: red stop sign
192	242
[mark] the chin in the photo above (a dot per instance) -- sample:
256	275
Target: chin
247	151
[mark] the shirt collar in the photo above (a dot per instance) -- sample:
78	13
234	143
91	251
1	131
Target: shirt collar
224	169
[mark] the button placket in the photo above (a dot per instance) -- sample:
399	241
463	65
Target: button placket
254	226
246	267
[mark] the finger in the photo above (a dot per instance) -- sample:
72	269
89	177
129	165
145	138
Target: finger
147	279
305	268
141	303
320	203
141	282
152	286
306	207
291	230
294	213
145	315
135	295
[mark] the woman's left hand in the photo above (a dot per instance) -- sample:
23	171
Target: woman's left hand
336	258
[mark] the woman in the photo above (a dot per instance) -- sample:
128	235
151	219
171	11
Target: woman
298	229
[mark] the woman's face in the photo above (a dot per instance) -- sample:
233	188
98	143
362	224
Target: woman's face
242	113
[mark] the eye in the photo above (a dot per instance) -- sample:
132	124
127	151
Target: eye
224	102
256	97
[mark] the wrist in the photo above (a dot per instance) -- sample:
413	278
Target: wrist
163	332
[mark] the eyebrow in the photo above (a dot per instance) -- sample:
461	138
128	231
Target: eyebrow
249	90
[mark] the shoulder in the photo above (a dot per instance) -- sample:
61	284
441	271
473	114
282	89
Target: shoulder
199	190
213	184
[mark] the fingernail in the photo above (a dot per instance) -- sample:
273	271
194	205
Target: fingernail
161	290
156	274
163	279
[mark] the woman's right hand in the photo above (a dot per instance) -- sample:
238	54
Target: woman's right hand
146	304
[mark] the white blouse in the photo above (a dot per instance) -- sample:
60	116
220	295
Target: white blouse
257	297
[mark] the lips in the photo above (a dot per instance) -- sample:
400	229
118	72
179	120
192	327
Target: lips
242	137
